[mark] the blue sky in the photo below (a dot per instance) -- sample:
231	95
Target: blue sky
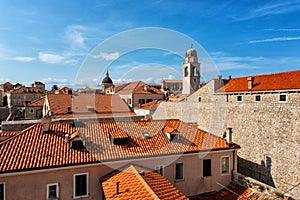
49	40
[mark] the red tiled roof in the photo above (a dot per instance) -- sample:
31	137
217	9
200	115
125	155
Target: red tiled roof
150	105
278	81
30	149
87	105
8	134
138	88
135	185
37	103
25	90
232	192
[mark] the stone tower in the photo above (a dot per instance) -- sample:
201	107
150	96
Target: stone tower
106	82
190	72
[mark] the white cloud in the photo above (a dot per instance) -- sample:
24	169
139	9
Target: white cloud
107	56
74	33
24	58
51	58
225	62
277	39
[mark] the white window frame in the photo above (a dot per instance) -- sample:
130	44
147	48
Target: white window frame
158	167
241	98
57	190
286	98
221	163
3	189
182	172
259	98
87	185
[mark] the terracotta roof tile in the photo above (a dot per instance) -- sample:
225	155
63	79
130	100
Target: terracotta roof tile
232	192
136	182
30	149
152	105
278	81
138	87
37	103
87	105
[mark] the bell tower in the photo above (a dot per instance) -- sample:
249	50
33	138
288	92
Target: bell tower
190	72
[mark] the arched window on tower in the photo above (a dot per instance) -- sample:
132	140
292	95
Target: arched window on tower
195	71
186	72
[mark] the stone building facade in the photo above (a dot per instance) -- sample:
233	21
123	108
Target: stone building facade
266	123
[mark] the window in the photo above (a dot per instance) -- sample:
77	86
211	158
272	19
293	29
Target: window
141	101
195	71
239	98
199	99
225	165
128	101
81	185
179	171
257	98
186	73
31	110
282	97
207	167
160	169
52	191
148	100
2	191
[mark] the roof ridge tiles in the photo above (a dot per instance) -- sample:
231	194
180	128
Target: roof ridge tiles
145	184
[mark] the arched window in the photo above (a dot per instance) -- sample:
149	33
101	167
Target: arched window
186	73
195	71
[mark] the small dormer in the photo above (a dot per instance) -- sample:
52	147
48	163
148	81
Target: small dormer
171	134
75	140
118	137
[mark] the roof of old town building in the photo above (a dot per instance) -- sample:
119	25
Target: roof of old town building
87	105
277	81
233	191
33	148
138	87
137	182
27	90
37	103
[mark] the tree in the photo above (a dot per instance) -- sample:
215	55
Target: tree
54	87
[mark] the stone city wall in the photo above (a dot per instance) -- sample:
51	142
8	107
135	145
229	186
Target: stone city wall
268	131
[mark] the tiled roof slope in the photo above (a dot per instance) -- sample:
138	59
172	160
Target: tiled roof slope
30	149
278	81
150	105
87	105
137	182
27	90
138	88
233	192
37	103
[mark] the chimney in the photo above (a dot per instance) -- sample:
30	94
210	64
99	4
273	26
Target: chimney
229	77
117	188
219	77
66	138
250	82
229	135
46	121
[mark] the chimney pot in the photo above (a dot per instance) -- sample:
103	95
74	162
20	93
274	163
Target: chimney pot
219	77
229	134
250	82
229	77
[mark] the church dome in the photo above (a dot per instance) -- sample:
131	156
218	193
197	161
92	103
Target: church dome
191	52
107	79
